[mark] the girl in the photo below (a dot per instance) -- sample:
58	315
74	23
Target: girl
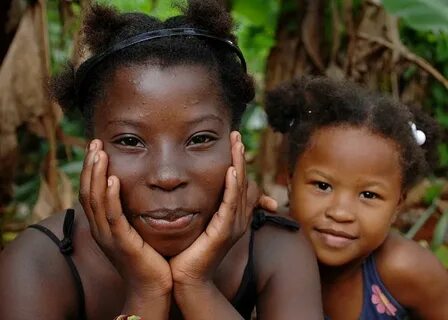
162	231
353	156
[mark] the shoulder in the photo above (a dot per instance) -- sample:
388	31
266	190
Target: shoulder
275	240
287	274
413	275
28	267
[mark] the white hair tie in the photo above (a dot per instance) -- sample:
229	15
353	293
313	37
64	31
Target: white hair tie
419	135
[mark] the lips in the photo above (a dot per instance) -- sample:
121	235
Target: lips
334	238
168	219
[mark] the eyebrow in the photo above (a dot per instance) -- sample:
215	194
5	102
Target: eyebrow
139	124
375	184
364	185
315	171
206	117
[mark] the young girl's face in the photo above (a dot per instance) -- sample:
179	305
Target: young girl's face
166	131
345	191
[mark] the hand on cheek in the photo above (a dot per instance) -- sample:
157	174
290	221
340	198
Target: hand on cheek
197	264
144	271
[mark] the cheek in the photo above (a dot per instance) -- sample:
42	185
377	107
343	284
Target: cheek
210	171
303	207
124	169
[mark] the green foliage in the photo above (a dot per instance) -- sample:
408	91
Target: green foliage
256	24
129	6
442	253
440	231
434	48
423	15
60	38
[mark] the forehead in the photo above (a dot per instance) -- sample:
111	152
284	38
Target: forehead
351	151
156	91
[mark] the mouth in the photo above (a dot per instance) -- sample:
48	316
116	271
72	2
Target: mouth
168	219
337	239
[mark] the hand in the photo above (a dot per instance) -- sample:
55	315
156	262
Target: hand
197	264
257	199
145	272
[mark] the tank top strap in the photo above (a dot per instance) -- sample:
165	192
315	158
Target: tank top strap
66	248
378	302
261	218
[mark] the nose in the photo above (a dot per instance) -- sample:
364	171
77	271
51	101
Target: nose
166	172
341	209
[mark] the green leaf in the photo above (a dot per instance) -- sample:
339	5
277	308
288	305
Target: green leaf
442	253
421	221
425	15
443	154
440	230
258	12
129	6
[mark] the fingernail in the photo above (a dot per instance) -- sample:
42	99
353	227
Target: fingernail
97	157
92	145
238	137
234	172
242	149
110	182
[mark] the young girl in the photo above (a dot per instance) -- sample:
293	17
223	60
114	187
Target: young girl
353	156
162	227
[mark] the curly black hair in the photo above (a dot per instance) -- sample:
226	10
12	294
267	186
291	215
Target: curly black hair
104	27
306	104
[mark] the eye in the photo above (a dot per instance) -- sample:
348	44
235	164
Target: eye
201	139
369	195
322	186
129	141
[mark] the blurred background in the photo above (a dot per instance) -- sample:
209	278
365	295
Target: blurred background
395	46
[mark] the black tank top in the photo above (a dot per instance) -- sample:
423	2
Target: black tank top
246	296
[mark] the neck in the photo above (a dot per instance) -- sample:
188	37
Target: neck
334	274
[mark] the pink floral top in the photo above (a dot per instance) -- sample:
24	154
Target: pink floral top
378	303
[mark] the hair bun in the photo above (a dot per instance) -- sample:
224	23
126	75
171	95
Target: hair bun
210	15
101	24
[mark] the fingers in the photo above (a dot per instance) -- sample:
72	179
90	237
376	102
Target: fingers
98	185
85	179
253	196
119	226
239	163
229	202
268	203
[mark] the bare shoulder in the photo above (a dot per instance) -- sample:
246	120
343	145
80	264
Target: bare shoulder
414	276
287	274
28	267
276	241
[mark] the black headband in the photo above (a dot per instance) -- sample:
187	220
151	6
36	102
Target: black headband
90	63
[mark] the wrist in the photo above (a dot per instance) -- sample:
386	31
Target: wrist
147	308
152	291
192	288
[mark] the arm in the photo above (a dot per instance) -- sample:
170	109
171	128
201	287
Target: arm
288	278
415	277
30	286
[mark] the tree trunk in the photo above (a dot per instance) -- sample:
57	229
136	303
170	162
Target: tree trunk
297	52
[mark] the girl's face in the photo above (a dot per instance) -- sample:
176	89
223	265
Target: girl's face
166	131
345	191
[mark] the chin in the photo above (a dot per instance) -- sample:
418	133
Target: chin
334	259
170	249
169	243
